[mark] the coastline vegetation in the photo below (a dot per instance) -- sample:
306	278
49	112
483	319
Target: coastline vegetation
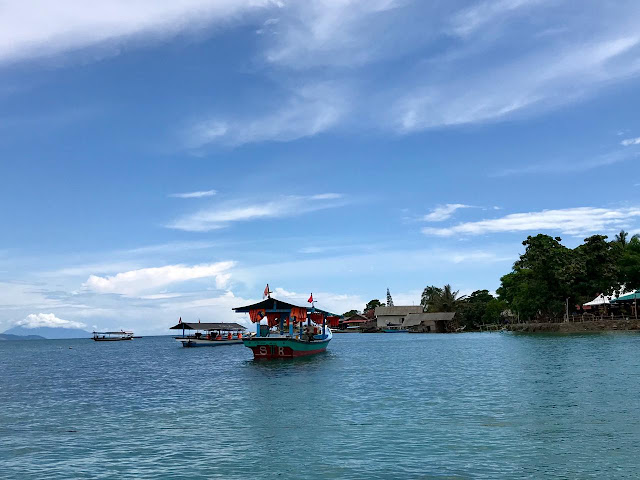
546	278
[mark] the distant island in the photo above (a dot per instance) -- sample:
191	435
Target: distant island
9	336
42	333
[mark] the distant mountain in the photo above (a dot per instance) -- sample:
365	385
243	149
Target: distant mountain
50	332
8	336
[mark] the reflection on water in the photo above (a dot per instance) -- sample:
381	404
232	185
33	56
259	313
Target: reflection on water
373	406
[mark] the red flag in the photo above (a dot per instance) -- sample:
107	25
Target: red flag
266	291
310	299
180	321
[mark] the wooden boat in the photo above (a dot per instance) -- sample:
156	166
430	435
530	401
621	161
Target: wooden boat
112	336
293	331
215	334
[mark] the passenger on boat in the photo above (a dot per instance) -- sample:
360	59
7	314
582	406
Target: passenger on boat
229	336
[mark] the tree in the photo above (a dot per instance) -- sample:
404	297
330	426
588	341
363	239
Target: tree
428	296
446	301
350	313
595	268
621	238
473	308
372	304
542	279
629	265
389	299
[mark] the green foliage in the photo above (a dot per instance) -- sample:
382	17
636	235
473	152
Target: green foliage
389	299
429	294
630	264
548	273
350	313
373	304
480	308
444	300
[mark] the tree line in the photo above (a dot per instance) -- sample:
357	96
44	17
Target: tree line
544	278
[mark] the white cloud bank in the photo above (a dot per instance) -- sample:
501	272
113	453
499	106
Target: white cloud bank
136	282
38	28
221	216
36	320
572	221
444	212
199	194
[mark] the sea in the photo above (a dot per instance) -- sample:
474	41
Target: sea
374	406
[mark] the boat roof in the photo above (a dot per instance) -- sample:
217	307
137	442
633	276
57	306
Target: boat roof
120	332
208	326
274	305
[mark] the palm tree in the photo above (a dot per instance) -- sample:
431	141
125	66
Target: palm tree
621	238
446	301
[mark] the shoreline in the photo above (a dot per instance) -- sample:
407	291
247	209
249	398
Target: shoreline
576	327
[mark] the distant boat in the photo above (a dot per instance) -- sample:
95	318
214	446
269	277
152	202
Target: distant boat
215	334
291	331
112	336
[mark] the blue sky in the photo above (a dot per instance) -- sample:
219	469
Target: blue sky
169	158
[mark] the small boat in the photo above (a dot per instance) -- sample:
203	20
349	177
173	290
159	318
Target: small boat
215	334
291	330
395	330
113	336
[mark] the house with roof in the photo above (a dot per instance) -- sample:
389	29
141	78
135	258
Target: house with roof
394	316
435	322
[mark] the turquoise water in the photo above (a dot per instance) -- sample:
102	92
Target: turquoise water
374	406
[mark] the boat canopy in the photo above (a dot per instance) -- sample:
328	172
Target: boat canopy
272	309
229	327
121	332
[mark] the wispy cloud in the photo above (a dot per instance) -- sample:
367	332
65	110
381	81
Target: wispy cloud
39	27
630	141
568	165
444	212
35	320
220	216
135	282
199	194
309	110
475	17
572	221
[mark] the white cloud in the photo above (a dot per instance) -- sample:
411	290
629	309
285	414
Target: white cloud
541	79
39	28
443	212
36	320
630	141
572	221
570	165
286	206
199	194
146	279
308	111
477	16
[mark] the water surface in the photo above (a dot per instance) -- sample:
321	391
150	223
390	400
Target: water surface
374	406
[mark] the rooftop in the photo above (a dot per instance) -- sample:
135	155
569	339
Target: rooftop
400	310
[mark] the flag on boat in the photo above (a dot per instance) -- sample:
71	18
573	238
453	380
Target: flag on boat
266	291
310	299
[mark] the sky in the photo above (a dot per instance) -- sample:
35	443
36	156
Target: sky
165	159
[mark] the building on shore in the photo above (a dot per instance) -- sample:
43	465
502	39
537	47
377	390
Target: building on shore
428	322
354	322
394	316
